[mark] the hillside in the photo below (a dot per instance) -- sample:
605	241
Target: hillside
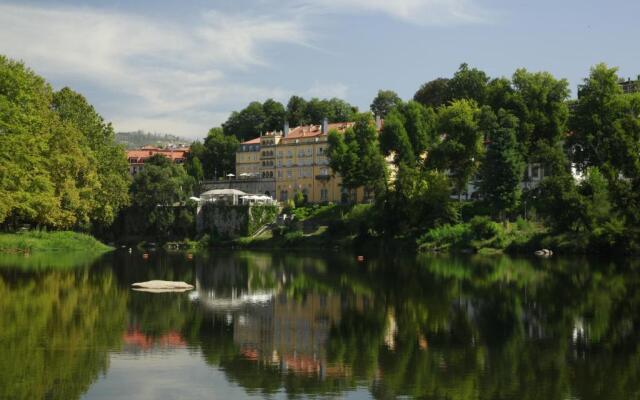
135	140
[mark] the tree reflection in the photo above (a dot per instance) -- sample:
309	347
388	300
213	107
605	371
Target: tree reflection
57	330
487	328
307	324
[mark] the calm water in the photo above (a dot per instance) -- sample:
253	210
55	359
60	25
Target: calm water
318	325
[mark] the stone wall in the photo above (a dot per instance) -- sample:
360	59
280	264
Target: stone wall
229	221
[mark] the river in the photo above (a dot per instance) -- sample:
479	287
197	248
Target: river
318	324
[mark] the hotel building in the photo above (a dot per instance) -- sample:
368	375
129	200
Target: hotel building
295	160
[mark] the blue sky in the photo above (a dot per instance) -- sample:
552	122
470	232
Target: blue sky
181	66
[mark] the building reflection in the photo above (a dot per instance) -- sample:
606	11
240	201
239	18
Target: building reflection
135	341
271	326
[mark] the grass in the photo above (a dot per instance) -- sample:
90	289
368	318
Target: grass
481	235
42	241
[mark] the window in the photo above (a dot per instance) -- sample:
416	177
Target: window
284	195
289	173
289	154
324	194
535	171
320	151
279	174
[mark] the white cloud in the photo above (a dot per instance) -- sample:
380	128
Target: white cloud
421	12
171	77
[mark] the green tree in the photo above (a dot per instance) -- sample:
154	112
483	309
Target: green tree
274	115
384	102
434	93
606	135
462	146
297	111
418	200
395	140
246	124
420	123
468	83
503	166
194	168
556	198
157	190
605	125
540	105
341	111
356	156
112	167
220	153
49	171
317	110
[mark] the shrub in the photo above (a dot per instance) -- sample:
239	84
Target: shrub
484	228
444	237
292	237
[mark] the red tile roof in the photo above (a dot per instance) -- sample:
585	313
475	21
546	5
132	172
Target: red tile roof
142	154
252	141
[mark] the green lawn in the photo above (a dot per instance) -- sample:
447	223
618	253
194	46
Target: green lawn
38	241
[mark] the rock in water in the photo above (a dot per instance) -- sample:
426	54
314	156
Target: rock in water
544	253
161	286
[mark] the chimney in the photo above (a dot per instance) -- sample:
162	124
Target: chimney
325	126
286	129
378	122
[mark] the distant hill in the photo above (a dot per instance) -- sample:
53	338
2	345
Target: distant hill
135	140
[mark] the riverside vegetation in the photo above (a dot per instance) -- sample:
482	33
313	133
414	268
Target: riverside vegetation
60	167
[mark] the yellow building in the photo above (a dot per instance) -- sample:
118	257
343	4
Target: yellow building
296	159
248	159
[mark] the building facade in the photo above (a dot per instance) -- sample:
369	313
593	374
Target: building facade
295	160
138	157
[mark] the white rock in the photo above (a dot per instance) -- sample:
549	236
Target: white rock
162	286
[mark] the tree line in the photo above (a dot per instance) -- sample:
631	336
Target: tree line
475	129
61	168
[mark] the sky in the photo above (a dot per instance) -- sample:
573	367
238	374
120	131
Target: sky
181	67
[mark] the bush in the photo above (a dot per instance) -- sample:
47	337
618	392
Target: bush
444	237
292	237
484	228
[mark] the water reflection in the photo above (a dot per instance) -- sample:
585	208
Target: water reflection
303	324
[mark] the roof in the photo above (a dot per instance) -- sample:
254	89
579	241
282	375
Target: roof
146	152
306	131
252	141
310	131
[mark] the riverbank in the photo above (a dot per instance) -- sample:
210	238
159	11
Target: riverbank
42	241
334	226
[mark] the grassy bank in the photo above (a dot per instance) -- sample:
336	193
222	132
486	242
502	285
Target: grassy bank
41	241
481	235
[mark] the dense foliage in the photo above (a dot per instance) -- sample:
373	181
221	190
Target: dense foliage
271	115
517	146
159	195
59	164
214	158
